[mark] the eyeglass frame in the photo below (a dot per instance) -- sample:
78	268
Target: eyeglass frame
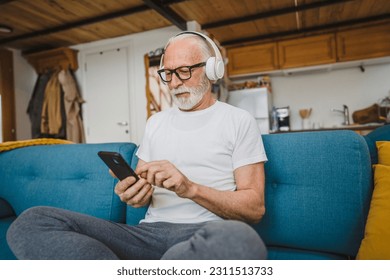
174	71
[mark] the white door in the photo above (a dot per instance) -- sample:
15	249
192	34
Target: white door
107	96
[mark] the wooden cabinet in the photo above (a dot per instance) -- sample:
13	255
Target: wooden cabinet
252	59
354	44
364	43
300	52
308	51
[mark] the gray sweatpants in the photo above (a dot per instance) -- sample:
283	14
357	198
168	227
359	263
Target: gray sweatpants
51	233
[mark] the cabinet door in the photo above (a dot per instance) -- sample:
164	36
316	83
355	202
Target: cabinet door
364	43
252	59
307	51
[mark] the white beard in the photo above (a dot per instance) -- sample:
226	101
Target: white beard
196	95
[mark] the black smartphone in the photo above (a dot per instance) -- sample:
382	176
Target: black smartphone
117	164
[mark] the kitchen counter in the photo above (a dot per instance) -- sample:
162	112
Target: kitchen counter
359	128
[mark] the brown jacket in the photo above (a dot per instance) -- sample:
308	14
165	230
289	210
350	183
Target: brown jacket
72	98
51	120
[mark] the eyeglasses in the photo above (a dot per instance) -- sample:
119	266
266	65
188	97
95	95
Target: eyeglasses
182	72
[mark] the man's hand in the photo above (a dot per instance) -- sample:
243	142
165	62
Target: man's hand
136	194
164	174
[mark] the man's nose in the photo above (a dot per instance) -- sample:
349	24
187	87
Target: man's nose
175	82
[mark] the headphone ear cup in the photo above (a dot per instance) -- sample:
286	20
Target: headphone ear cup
210	68
219	68
214	68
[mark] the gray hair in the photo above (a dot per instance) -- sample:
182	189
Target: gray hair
205	49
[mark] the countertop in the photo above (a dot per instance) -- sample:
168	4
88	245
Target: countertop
355	127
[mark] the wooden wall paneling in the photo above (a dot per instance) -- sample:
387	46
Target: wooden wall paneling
46	18
232	22
7	95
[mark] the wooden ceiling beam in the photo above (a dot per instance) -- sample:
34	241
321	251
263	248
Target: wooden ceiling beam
76	24
307	30
162	7
5	1
273	13
84	22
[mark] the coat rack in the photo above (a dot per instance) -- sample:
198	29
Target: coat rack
61	58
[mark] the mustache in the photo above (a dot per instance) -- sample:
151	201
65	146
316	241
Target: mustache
180	90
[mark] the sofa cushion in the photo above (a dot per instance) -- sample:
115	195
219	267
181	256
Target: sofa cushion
66	176
376	242
318	190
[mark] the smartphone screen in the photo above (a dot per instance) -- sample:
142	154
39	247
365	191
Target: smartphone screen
117	164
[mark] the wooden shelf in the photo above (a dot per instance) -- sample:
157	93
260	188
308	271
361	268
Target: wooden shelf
61	58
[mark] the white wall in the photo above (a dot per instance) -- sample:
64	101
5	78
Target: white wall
325	91
25	78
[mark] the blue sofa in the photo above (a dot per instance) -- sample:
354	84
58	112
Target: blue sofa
318	189
69	176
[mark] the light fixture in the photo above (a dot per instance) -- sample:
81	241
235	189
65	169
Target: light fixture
5	29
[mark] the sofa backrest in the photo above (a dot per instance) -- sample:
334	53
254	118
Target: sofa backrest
379	134
318	190
67	176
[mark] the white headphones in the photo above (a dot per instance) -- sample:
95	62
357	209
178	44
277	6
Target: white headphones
214	65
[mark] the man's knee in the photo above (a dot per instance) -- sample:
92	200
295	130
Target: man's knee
235	240
221	240
34	212
25	221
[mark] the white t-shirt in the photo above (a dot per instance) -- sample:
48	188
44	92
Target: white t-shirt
206	146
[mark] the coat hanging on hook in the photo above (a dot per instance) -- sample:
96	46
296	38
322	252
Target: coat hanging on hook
55	105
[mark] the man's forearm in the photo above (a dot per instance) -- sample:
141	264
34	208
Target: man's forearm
245	205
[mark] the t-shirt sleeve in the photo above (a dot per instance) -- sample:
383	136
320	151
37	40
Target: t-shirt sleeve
248	148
